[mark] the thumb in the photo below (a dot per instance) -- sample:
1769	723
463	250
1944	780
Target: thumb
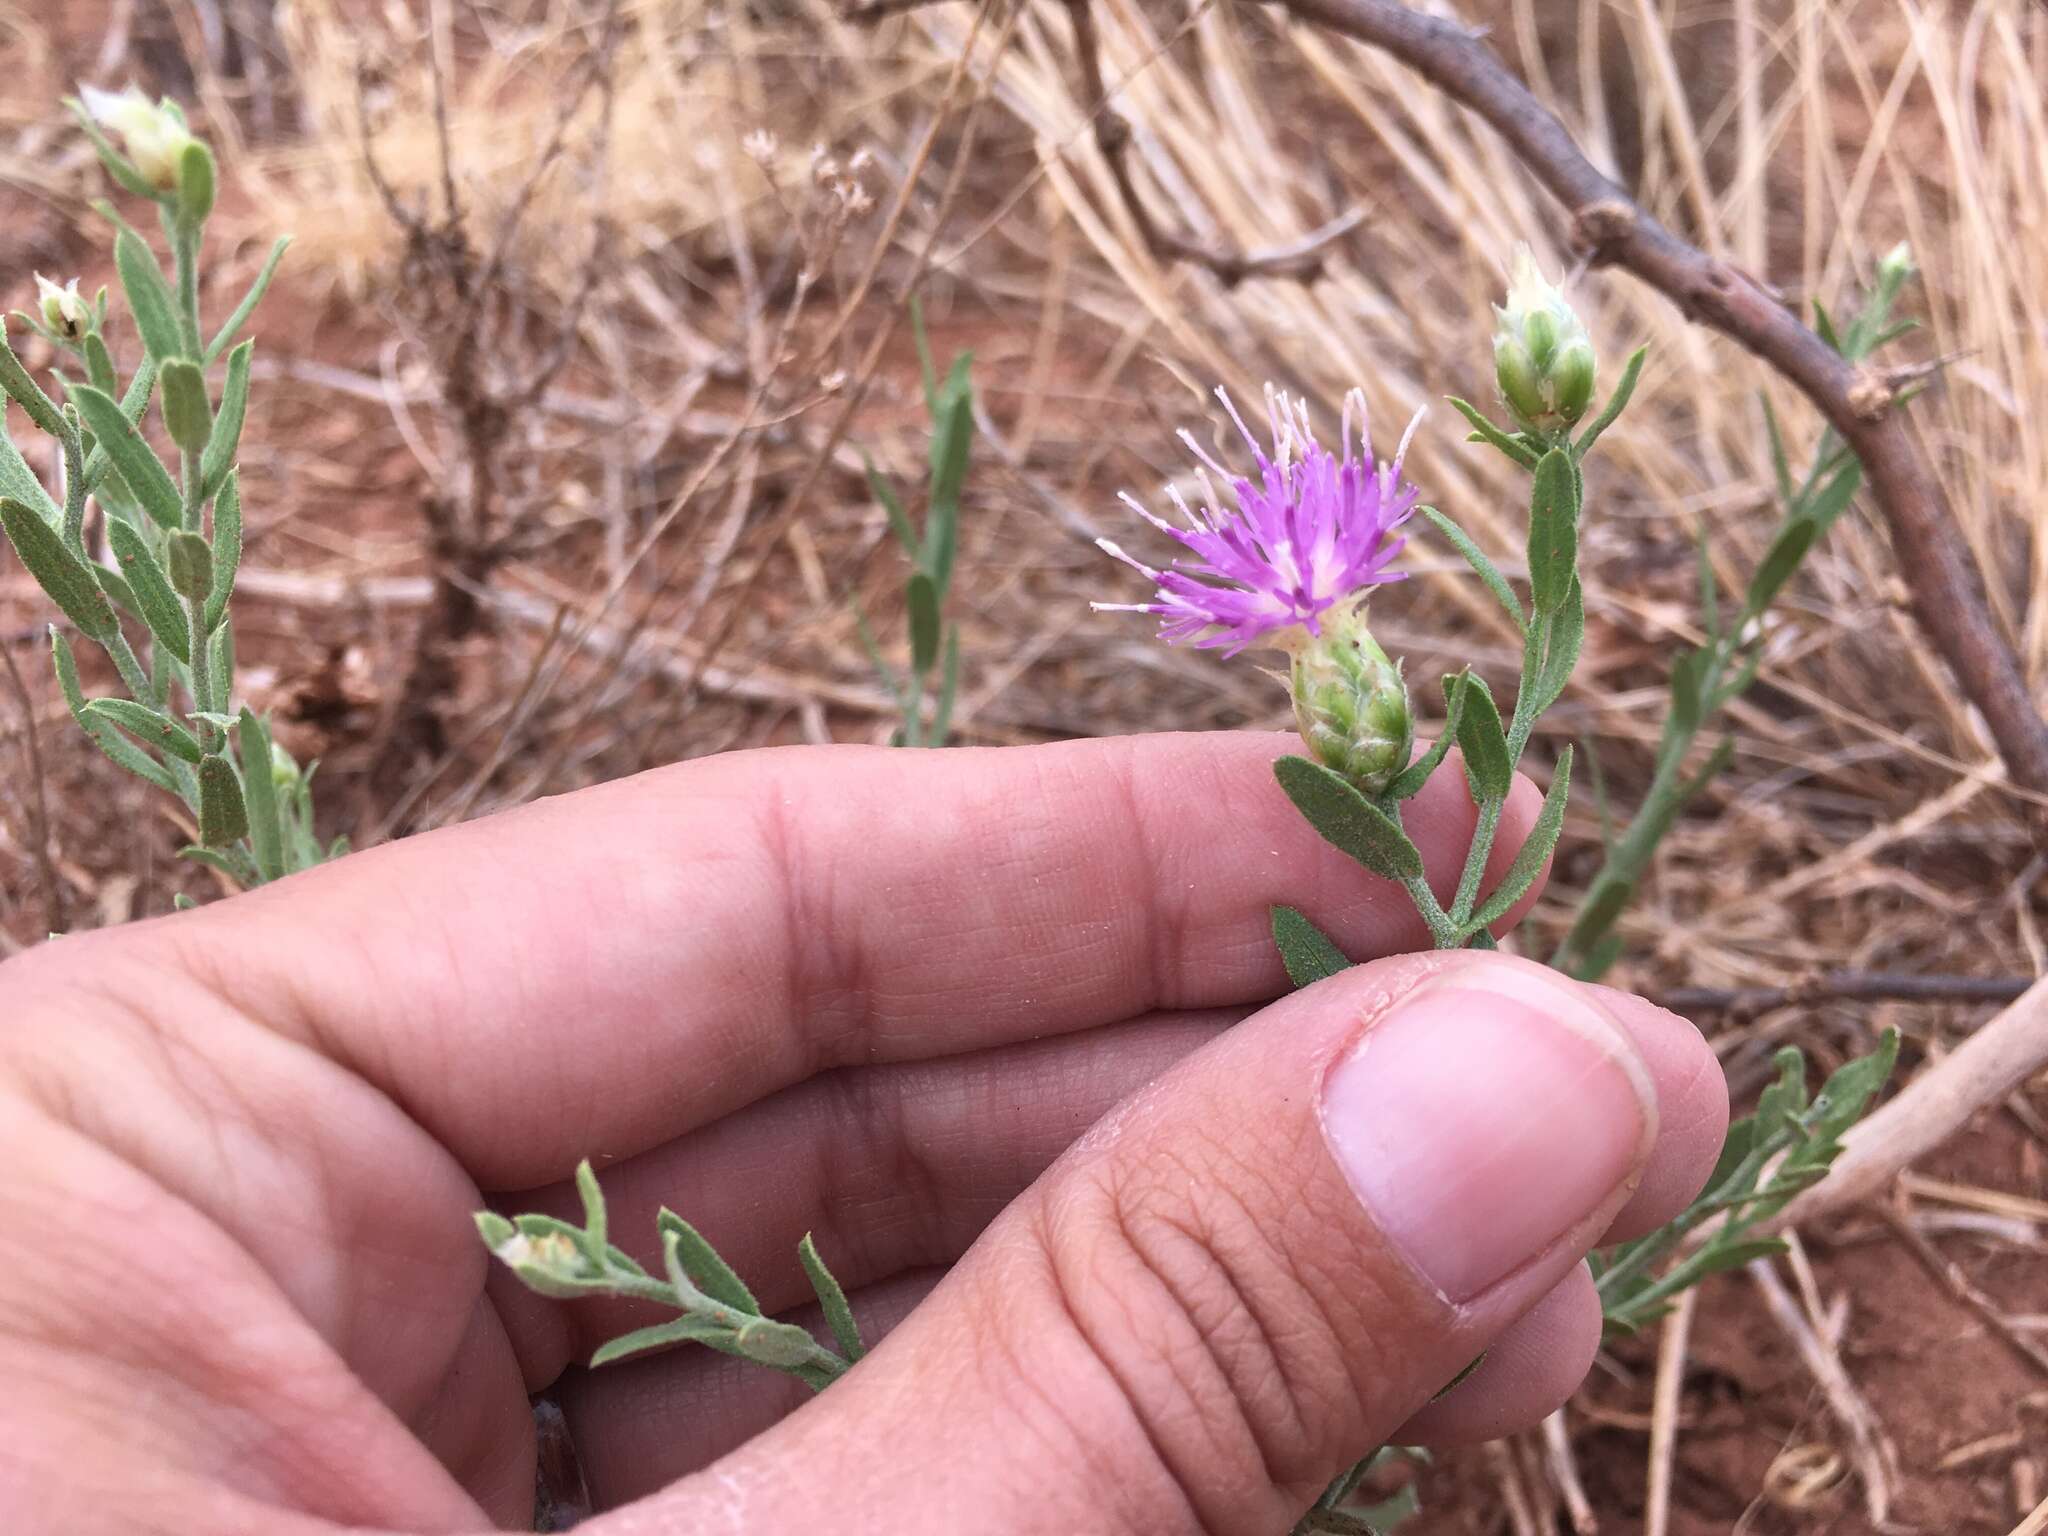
1240	1281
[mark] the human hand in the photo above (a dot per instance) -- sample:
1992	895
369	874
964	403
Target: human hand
872	994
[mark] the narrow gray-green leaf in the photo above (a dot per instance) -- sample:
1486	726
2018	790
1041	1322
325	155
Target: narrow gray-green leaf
131	454
949	688
1534	852
122	752
1616	403
1309	954
147	725
1475	557
227	333
1553	531
681	1330
892	504
831	1297
1483	743
149	297
1564	634
923	595
1409	780
20	482
227	426
1347	820
60	573
266	837
1484	431
188	414
196	179
227	548
222	816
1833	498
707	1271
952	433
1779	562
154	600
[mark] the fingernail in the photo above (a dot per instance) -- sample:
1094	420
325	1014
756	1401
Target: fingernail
1484	1117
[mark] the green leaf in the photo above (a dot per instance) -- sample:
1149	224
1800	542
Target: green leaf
226	440
26	392
707	1271
780	1346
1553	531
266	837
188	414
1410	780
925	372
222	817
19	481
1616	403
923	595
1833	499
122	752
148	725
1779	562
1475	557
99	363
1719	1258
149	297
60	573
1687	675
1347	820
1484	431
838	1314
1851	1086
681	1330
250	300
1604	904
1309	954
195	185
899	520
1825	325
1534	852
1781	466
1564	634
952	432
130	453
1483	743
227	548
155	602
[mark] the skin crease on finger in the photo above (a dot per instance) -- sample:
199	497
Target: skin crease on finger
292	1065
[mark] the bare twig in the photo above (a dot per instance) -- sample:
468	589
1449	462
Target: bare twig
2035	1523
1671	1356
1870	1450
1564	1471
1301	260
1846	986
1996	1058
1947	591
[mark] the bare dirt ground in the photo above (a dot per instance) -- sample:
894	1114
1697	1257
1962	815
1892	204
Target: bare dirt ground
1846	837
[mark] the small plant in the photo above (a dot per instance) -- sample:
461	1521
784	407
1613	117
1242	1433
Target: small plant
175	539
1290	569
1706	680
926	720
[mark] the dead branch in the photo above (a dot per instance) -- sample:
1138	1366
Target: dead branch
1845	986
1946	587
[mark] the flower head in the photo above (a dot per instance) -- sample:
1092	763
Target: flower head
1543	358
63	310
153	133
1311	530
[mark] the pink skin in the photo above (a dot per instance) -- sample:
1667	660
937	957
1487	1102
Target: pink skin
870	993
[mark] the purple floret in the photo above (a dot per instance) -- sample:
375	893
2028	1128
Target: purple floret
1313	531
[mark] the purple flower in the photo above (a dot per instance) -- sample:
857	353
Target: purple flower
1312	531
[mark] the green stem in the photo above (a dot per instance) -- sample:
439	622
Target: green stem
74	493
203	690
133	678
1475	862
185	251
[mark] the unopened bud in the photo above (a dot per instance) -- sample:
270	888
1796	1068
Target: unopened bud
1543	358
1350	703
284	768
549	1263
153	134
63	309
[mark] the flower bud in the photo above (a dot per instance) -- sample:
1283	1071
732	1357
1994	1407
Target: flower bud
153	134
550	1263
1543	358
62	309
284	769
1350	703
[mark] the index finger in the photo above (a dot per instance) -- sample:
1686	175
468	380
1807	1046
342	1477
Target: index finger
606	970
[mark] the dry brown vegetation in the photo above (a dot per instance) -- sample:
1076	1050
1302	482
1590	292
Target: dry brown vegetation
692	525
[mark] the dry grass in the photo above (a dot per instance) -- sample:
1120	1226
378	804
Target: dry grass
711	528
